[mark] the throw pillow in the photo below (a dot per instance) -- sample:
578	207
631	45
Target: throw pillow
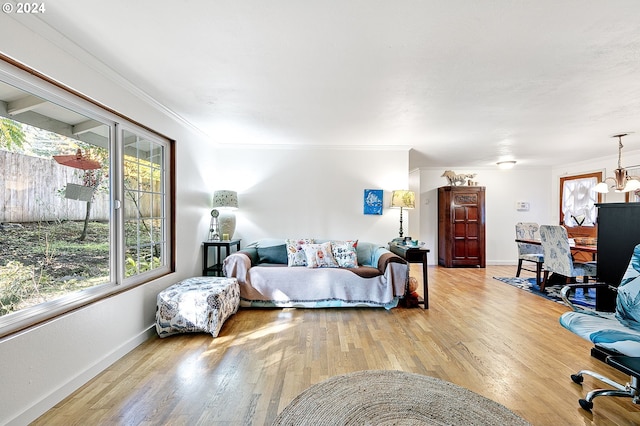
319	255
345	253
295	254
273	254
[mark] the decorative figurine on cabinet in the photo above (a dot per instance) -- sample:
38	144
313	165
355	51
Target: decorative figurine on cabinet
455	179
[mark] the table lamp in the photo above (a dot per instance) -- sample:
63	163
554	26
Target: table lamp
226	202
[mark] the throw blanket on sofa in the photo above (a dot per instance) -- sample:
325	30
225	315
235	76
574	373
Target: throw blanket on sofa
297	287
278	285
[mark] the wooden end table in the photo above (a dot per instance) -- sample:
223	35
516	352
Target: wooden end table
415	255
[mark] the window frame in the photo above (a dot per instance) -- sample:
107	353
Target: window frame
579	229
31	81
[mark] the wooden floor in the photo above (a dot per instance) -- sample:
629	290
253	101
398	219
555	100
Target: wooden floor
487	336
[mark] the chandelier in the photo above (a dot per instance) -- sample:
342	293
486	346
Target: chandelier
621	181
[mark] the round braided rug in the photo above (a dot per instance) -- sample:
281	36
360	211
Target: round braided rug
385	397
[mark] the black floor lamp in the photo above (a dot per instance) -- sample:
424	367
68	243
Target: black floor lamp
403	199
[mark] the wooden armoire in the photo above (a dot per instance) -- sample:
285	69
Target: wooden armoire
461	226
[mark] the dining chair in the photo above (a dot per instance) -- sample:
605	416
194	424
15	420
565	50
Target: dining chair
529	252
558	259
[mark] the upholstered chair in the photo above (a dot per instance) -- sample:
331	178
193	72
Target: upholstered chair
558	259
615	335
529	252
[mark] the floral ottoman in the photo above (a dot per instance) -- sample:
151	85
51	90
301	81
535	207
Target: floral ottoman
198	304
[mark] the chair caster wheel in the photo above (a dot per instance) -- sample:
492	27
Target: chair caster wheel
586	405
577	378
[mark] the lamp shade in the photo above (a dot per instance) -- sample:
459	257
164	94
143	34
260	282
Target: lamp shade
632	185
225	199
403	199
602	188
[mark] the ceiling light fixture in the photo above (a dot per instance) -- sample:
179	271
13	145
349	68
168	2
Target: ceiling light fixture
506	164
621	181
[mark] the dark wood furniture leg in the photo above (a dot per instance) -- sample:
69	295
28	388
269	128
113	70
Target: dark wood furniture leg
425	280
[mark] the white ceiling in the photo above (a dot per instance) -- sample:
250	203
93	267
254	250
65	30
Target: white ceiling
461	82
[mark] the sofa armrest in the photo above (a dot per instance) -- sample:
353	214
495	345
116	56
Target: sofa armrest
237	266
252	254
376	253
385	258
395	269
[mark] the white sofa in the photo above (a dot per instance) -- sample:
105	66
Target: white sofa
266	279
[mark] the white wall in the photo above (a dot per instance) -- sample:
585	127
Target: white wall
314	192
503	189
282	192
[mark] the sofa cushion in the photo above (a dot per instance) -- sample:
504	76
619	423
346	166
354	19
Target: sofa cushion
345	253
273	254
365	253
319	255
266	242
295	253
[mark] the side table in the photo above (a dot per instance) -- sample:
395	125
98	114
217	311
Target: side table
216	268
415	255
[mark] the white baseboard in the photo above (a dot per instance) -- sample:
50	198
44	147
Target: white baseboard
502	262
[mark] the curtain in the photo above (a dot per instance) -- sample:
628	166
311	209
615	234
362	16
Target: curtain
578	202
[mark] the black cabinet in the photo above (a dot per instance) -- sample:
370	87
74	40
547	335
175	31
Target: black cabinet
618	234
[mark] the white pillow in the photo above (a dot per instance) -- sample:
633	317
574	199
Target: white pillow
295	254
345	253
319	255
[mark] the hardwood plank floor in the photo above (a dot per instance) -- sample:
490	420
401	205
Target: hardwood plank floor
487	336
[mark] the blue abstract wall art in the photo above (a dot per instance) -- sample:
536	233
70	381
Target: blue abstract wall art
373	201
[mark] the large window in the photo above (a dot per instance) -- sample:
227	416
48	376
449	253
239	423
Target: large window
85	201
